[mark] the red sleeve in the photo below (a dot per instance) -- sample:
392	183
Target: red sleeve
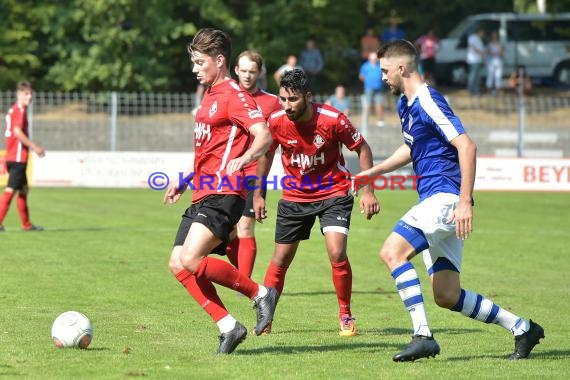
17	118
347	133
243	111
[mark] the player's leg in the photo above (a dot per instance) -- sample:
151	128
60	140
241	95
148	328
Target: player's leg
398	249
448	293
247	247
293	224
14	183
335	224
203	292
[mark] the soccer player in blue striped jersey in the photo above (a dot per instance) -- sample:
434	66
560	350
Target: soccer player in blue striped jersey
443	156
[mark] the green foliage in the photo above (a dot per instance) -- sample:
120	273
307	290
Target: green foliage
105	252
139	45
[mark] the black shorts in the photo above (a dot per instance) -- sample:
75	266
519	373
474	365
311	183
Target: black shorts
295	219
17	175
219	213
248	209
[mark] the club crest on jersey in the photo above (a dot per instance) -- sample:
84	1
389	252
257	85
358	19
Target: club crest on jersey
213	109
356	136
318	141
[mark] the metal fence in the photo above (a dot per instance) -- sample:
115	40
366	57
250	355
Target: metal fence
164	122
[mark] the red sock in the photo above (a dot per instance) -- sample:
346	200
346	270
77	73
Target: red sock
342	280
22	204
275	277
204	293
232	250
246	255
5	204
223	273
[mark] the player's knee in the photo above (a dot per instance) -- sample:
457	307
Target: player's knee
445	298
174	264
246	227
337	255
388	256
189	262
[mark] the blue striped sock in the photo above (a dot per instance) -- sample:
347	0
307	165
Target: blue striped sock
475	306
409	289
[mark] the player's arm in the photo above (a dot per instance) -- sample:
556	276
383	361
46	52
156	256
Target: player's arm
261	142
463	213
262	170
401	157
368	203
20	135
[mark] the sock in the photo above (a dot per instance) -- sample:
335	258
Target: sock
342	280
261	292
475	306
204	293
22	204
408	285
247	251
223	273
226	324
232	251
5	201
275	277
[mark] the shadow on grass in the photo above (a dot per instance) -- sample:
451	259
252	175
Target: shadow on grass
341	346
331	292
544	355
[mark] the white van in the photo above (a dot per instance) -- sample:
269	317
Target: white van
541	42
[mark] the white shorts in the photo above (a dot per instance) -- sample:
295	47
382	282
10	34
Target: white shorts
431	217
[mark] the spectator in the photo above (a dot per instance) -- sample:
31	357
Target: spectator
371	75
288	66
495	52
339	100
393	32
475	56
515	80
369	43
428	45
312	62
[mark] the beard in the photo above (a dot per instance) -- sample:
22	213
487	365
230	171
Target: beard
294	116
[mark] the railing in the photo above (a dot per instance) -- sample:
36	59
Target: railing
164	122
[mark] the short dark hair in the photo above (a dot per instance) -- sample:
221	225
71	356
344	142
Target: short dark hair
295	80
23	85
399	48
212	42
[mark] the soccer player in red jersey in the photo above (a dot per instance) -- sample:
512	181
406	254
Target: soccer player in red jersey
243	249
18	145
227	115
311	136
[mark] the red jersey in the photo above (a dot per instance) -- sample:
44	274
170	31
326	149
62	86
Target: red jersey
221	133
17	117
267	103
311	153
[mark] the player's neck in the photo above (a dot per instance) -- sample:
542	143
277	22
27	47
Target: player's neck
253	90
411	86
308	114
221	79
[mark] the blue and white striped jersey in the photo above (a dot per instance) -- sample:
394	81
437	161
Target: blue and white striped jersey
428	126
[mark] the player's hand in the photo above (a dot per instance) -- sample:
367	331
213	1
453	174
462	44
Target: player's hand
369	205
259	207
463	217
237	164
173	192
39	151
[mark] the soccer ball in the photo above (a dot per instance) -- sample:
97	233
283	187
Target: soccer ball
72	329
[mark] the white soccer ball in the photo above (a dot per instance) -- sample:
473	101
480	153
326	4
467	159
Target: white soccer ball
72	329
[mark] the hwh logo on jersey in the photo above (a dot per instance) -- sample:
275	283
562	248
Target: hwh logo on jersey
202	131
305	162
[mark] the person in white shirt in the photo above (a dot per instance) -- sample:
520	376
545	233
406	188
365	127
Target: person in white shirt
475	57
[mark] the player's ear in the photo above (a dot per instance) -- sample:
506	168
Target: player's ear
220	61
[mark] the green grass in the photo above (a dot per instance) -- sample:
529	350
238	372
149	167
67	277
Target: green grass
105	253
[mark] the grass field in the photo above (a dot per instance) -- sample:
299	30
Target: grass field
105	253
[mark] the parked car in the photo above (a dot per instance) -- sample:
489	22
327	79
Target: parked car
541	42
